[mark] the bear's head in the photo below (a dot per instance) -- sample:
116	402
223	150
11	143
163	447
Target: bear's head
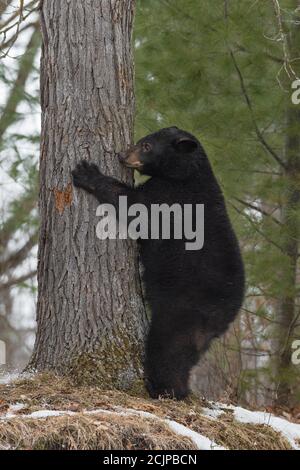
169	152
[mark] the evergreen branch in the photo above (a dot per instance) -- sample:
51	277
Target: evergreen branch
256	314
241	48
259	172
258	209
15	96
260	232
250	107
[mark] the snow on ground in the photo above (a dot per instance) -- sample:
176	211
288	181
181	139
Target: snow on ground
212	413
16	407
200	441
6	378
47	413
35	414
291	431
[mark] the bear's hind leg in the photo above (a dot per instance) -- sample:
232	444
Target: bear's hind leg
170	356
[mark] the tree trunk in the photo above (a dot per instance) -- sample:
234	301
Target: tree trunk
286	374
91	317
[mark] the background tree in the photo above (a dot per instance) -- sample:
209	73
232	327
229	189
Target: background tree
223	70
18	174
288	309
91	318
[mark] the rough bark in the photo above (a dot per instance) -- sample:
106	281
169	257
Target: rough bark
286	312
91	317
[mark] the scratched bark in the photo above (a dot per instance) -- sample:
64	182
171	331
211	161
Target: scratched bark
91	320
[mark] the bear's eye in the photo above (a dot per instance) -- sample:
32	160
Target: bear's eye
147	147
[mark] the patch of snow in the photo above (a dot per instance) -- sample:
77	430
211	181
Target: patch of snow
5	447
201	442
16	407
8	416
47	413
8	377
36	414
212	413
291	431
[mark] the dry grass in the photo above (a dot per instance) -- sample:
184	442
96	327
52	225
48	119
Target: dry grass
115	431
89	432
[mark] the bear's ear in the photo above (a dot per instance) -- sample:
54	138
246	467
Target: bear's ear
185	145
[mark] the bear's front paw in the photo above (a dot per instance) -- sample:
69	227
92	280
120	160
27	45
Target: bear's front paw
86	175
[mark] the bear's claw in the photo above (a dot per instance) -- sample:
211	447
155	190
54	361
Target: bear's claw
86	175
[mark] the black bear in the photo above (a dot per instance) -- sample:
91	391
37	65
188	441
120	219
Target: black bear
193	294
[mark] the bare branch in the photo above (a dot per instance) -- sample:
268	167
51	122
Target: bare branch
285	47
17	280
15	14
249	104
8	25
4	4
259	172
11	40
18	256
256	228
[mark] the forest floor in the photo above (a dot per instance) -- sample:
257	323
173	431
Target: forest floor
43	411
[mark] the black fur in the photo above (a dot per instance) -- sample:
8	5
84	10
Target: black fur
193	295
